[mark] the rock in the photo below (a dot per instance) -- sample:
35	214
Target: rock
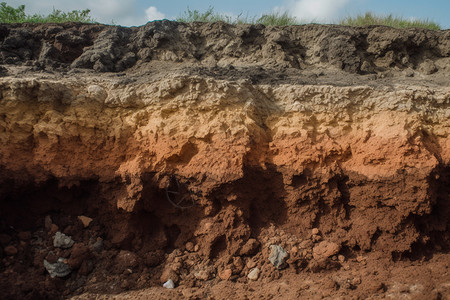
238	264
325	249
60	240
250	247
253	274
196	248
48	222
169	284
10	250
251	264
53	228
98	245
428	67
79	253
341	258
58	269
85	220
225	274
315	231
24	235
126	259
189	246
277	256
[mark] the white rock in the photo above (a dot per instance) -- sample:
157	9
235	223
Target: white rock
60	240
254	274
169	284
58	269
277	256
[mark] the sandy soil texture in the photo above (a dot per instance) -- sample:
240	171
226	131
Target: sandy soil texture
238	162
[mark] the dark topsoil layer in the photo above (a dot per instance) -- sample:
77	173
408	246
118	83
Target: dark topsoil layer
306	54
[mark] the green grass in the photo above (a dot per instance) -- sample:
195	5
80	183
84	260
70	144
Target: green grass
283	19
9	14
209	16
390	20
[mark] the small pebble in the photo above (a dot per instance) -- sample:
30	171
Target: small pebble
189	246
253	274
225	274
169	284
315	231
48	222
85	220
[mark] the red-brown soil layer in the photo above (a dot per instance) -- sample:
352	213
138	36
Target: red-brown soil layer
195	148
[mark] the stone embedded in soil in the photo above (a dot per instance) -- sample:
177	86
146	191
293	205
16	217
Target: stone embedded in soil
60	240
98	245
225	274
48	223
10	250
253	274
85	221
189	246
169	284
78	254
277	256
325	249
58	269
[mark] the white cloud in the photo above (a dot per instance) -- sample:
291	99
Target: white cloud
315	10
120	12
154	14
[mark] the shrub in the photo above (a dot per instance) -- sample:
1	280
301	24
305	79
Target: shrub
9	14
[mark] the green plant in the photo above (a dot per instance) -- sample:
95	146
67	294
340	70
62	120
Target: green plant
9	14
389	20
209	16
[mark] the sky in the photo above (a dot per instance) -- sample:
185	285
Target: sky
139	12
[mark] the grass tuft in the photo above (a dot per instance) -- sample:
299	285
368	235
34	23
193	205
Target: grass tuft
209	16
390	20
9	14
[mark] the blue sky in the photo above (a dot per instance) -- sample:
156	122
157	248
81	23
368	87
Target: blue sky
138	12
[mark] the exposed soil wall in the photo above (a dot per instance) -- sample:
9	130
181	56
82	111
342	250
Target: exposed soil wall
189	151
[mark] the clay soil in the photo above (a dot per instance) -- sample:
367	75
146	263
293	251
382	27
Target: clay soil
188	151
